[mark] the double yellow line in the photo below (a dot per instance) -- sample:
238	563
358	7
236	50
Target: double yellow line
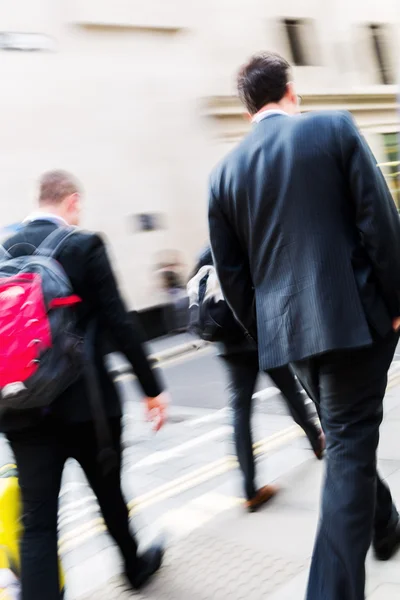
82	533
218	467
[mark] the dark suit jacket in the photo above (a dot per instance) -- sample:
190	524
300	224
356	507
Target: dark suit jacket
306	237
85	261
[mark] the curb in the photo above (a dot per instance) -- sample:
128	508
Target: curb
178	351
117	366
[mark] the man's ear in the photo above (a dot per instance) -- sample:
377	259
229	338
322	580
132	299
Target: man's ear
291	93
73	201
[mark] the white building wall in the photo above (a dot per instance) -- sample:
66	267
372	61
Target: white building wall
237	29
118	107
119	102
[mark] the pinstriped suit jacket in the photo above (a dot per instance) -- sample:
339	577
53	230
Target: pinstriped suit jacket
305	237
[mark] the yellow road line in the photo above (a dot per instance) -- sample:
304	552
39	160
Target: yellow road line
179	481
291	434
181	485
83	528
78	540
181	521
155	496
393	381
82	533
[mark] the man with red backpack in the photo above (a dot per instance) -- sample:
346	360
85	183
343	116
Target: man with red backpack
58	288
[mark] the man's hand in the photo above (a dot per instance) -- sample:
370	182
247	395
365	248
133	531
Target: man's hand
396	324
156	409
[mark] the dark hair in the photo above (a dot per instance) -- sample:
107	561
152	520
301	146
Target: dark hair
263	79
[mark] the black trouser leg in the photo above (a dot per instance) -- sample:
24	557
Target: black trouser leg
350	386
107	488
286	382
40	459
242	373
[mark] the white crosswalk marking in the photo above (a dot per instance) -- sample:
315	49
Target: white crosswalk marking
164	456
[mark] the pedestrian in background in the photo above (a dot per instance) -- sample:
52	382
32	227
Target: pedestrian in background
305	232
240	356
43	440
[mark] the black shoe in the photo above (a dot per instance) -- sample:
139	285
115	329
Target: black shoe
316	437
385	547
149	563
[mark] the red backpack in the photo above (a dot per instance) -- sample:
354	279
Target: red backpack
40	350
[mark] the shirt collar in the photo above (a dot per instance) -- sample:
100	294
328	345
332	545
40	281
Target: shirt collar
43	216
268	113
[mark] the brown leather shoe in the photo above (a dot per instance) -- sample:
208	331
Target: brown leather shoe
262	497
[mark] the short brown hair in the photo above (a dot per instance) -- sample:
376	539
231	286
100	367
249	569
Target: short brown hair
262	80
57	185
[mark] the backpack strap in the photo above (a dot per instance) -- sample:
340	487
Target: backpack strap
51	245
4	254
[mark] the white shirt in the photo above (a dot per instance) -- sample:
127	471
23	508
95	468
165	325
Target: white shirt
268	113
43	216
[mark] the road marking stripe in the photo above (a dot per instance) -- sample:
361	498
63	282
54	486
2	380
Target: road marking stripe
71	486
179	481
175	523
283	434
394	380
124	377
266	393
163	456
73	515
210	416
227	465
182	521
260	447
267	446
213	416
82	529
187	482
67	545
77	503
80	534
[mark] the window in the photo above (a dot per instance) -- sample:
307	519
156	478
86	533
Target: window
379	40
148	222
299	34
391	168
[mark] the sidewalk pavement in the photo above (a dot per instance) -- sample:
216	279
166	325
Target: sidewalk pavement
227	554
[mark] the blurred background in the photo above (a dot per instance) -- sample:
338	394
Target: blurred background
138	100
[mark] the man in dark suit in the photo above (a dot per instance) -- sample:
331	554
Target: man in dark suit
43	441
240	356
306	242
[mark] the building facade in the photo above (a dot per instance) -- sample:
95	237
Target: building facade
138	100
